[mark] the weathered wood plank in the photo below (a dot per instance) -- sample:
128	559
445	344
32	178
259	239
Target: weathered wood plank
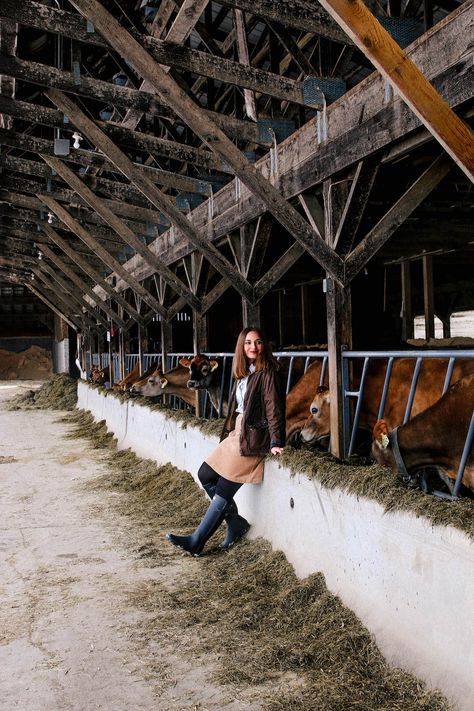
106	257
124	96
213	136
278	270
385	227
158	199
165	53
105	286
122	230
394	64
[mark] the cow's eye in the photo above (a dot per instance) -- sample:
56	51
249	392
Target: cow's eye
314	410
205	370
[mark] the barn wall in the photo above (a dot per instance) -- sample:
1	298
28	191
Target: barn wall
408	581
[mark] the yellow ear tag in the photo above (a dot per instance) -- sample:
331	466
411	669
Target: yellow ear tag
384	441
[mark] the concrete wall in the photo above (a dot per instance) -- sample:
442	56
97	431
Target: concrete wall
411	583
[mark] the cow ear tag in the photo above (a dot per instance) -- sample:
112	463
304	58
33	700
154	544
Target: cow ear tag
384	441
214	365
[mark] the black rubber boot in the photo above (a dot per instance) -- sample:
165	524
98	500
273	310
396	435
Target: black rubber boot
237	526
211	521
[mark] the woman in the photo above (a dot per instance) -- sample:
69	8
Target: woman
254	427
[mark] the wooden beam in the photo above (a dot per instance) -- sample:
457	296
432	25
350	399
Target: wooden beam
278	270
67	292
359	192
302	15
390	222
61	299
123	96
212	135
35	113
406	310
393	63
46	300
104	255
81	284
123	230
168	54
158	199
91	272
244	58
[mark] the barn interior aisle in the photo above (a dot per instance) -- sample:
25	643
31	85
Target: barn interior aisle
66	614
99	613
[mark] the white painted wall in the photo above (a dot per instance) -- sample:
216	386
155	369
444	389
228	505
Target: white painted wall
411	583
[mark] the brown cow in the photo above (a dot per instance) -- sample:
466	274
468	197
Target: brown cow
317	428
174	382
134	375
205	373
434	439
98	375
298	401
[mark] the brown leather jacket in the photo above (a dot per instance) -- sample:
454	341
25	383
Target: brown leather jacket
263	422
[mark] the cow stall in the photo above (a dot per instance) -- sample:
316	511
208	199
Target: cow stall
407	578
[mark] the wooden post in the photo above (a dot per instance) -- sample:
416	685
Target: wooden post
339	318
166	343
407	311
140	350
111	365
428	297
304	313
281	325
251	314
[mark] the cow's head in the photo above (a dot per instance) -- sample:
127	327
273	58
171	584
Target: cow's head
381	447
201	371
153	386
317	428
98	375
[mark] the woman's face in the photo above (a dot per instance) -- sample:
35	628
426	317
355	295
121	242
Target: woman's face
253	345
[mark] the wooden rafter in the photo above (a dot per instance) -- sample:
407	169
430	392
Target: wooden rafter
158	199
213	136
121	229
412	85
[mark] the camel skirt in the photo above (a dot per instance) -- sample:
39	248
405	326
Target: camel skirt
227	461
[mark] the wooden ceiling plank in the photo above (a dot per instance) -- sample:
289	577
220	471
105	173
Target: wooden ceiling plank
390	222
158	199
394	64
123	230
102	253
212	135
62	299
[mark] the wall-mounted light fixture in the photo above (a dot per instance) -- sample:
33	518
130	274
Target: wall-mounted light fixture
77	139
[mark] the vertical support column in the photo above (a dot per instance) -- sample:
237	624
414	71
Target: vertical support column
166	343
200	339
407	311
140	350
111	355
428	297
121	355
281	323
251	314
304	314
339	320
99	348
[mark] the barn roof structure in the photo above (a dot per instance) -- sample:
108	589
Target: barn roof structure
158	155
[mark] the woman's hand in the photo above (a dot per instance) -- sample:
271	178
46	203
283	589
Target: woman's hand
276	450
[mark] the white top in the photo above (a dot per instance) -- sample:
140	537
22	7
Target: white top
241	390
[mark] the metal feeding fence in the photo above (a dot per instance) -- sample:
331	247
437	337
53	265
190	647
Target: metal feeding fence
297	364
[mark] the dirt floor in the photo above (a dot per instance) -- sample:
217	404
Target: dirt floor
99	611
66	616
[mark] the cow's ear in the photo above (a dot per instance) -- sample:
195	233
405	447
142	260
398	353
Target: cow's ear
214	365
164	383
185	361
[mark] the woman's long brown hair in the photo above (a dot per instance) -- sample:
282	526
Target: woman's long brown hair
264	360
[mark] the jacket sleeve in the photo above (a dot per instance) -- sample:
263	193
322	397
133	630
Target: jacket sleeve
275	400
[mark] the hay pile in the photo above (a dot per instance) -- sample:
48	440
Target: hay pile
34	363
59	393
276	641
